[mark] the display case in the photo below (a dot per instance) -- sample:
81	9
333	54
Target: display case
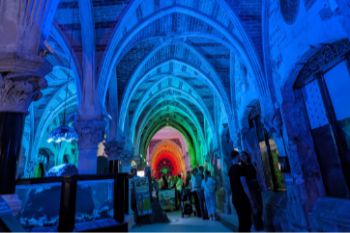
40	201
94	204
73	203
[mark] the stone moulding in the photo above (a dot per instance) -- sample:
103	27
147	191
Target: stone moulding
16	94
326	56
21	80
22	63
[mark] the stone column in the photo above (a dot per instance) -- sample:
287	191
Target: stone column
17	91
121	151
91	133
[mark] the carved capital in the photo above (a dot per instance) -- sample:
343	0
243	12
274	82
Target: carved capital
119	150
90	133
18	91
20	62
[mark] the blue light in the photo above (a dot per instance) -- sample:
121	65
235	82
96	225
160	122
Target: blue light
63	133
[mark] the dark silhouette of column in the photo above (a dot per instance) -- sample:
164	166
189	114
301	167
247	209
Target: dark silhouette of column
17	91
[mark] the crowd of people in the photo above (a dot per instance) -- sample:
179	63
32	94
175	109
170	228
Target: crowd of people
200	186
203	187
245	191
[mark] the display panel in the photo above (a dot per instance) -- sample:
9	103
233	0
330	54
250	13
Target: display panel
142	196
35	214
167	199
94	204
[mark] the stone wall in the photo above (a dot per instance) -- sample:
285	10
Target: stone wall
330	214
311	28
294	31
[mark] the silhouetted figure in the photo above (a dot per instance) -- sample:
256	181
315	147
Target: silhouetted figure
178	190
239	197
249	172
148	173
165	184
201	198
158	215
209	187
132	177
196	181
187	182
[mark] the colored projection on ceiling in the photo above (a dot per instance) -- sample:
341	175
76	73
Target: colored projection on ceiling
167	156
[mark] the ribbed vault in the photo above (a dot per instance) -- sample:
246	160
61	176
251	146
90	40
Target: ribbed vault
172	68
148	64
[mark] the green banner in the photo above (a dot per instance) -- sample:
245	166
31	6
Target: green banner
143	199
167	199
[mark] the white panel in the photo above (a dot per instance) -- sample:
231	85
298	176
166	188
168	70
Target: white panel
338	84
314	105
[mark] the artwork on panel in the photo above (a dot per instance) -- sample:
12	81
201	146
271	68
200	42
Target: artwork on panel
142	197
35	213
94	202
167	199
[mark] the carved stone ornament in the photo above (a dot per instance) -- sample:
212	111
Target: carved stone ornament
90	133
17	92
323	59
119	150
273	122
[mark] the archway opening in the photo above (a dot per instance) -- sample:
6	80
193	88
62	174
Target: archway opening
167	153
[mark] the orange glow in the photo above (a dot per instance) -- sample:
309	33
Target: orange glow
168	151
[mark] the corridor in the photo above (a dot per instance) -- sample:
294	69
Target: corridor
111	107
187	224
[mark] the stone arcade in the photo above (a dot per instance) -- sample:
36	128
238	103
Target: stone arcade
173	85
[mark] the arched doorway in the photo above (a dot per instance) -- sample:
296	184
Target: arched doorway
168	157
321	88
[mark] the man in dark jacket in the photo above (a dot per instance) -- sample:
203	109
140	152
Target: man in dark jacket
254	190
239	197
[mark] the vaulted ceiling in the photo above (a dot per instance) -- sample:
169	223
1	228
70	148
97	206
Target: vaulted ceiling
171	61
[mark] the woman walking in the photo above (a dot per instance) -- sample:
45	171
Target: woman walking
209	187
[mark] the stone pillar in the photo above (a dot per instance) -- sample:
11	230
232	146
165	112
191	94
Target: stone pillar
120	150
17	91
91	133
251	145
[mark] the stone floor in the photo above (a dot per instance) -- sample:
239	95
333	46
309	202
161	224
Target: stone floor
187	224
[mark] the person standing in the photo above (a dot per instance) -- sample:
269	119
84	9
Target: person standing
209	187
254	190
203	207
187	180
239	197
195	190
148	174
133	203
165	184
178	190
